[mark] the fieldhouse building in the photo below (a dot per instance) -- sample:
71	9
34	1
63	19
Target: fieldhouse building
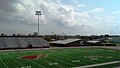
115	40
66	43
22	42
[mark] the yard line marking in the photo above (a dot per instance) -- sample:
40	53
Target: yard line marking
4	63
101	64
62	57
87	60
84	59
78	57
36	63
96	61
66	57
16	61
63	62
56	65
46	61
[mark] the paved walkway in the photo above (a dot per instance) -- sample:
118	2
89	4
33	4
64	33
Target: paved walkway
109	47
117	67
101	64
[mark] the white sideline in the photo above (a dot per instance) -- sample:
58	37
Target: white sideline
101	64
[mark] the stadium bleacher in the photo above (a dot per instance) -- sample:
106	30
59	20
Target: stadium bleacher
22	42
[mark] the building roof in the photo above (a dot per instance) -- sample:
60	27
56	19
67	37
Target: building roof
65	41
93	41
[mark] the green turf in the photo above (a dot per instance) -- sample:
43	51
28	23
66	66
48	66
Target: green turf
59	58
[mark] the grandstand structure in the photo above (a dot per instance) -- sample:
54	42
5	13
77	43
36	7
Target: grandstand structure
66	43
22	42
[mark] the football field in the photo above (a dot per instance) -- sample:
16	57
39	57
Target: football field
59	58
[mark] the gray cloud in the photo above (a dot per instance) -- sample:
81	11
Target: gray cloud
8	6
55	17
18	16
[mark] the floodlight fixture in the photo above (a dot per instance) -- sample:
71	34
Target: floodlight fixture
38	13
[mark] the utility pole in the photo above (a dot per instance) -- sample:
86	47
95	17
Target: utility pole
38	13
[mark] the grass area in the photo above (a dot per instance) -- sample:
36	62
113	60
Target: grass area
118	44
58	58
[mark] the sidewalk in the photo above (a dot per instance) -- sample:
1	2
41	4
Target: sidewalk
101	64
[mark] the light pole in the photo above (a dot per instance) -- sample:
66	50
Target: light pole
38	13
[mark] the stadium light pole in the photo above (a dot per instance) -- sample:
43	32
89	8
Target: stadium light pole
38	13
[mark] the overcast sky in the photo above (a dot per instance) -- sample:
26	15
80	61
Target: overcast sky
83	17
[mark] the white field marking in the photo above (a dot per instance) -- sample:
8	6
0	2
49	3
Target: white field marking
63	61
35	63
101	64
86	60
16	61
75	60
82	59
71	59
4	63
95	58
64	57
56	65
